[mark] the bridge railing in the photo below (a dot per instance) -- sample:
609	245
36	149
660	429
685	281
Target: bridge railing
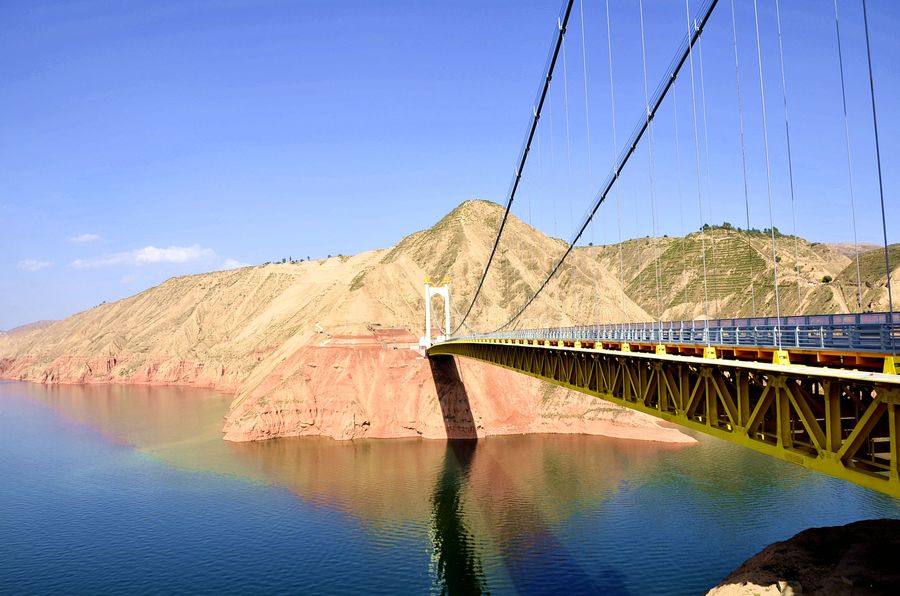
864	332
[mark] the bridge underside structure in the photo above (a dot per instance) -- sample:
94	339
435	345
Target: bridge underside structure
845	423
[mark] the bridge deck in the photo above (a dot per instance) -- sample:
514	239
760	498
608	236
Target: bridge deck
861	341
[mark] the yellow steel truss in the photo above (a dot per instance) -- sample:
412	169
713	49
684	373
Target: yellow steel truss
839	422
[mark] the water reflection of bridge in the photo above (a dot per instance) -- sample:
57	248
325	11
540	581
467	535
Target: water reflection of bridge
502	513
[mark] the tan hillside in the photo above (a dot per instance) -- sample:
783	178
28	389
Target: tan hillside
739	275
458	246
231	317
321	347
872	277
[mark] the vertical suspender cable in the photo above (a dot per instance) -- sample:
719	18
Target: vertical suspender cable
837	28
762	96
540	178
717	282
678	167
699	176
887	256
650	162
587	112
612	101
740	99
594	271
554	186
569	162
566	107
684	264
787	134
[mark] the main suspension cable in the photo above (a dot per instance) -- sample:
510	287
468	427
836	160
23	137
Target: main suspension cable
626	154
562	23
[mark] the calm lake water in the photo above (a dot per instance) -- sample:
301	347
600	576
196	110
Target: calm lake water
132	490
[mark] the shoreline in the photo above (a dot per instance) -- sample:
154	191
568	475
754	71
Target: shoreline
289	422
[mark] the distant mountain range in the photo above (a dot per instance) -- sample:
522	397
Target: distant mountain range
28	327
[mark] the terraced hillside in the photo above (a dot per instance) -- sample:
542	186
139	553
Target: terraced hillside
872	279
739	274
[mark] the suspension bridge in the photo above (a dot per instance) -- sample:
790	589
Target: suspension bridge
815	388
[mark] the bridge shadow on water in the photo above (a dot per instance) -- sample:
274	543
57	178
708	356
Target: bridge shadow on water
535	559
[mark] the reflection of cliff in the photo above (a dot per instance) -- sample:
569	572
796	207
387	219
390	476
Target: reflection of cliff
492	509
141	416
373	480
502	499
376	481
493	506
179	425
380	481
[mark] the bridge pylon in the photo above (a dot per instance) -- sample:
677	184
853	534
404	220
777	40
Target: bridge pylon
432	290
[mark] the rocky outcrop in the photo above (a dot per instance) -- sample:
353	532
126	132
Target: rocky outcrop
356	392
859	558
126	368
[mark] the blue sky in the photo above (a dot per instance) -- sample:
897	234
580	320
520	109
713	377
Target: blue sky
142	140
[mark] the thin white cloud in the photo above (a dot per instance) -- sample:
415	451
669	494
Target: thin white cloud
147	256
81	238
233	264
32	265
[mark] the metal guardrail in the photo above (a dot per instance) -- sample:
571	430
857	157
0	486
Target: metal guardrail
864	332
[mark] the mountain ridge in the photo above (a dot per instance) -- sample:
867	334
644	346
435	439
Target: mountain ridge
320	347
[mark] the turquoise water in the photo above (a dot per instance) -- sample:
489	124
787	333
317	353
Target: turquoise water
132	490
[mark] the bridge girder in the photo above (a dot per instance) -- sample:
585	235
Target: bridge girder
842	423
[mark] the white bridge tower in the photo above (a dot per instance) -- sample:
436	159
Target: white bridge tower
432	290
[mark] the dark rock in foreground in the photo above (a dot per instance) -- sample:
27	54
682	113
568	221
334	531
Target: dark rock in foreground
859	558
